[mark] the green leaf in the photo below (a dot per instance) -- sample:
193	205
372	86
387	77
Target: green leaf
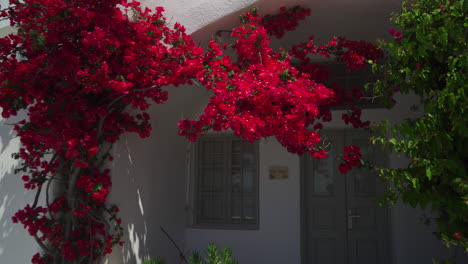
420	34
429	173
456	166
415	182
443	34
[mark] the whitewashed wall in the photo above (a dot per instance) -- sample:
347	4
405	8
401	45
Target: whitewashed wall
149	181
278	238
150	176
16	245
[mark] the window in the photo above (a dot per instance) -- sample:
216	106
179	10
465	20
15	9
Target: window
351	80
226	177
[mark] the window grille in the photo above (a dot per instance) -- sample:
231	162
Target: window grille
355	79
226	172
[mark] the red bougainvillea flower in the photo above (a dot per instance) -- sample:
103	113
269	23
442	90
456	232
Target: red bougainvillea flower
287	20
396	34
457	235
75	67
351	158
263	95
321	154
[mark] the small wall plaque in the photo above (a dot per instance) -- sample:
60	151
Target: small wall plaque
278	172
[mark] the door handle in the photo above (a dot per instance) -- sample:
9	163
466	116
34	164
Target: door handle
350	219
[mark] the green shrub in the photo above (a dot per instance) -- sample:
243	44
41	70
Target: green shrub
213	256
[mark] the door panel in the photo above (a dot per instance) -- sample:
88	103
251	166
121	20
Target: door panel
366	251
325	193
324	250
343	223
367	239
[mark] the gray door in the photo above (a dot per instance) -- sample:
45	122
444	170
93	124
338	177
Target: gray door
342	222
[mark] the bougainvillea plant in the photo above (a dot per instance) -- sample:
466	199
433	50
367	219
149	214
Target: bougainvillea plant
428	58
75	67
85	71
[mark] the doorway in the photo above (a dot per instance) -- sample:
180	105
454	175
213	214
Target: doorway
342	222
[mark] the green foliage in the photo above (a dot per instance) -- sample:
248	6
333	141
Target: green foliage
430	61
213	256
154	261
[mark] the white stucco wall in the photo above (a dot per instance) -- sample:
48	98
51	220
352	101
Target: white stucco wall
149	182
278	238
150	179
16	245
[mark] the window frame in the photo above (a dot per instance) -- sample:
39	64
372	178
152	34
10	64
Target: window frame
227	140
365	75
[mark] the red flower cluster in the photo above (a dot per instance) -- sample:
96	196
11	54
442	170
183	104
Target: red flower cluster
351	158
354	117
357	53
354	54
76	66
286	20
396	34
29	218
95	187
262	94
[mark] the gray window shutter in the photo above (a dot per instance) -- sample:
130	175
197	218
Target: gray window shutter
227	183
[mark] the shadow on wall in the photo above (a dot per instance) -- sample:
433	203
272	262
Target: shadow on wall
351	19
126	193
149	182
16	246
232	20
414	242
